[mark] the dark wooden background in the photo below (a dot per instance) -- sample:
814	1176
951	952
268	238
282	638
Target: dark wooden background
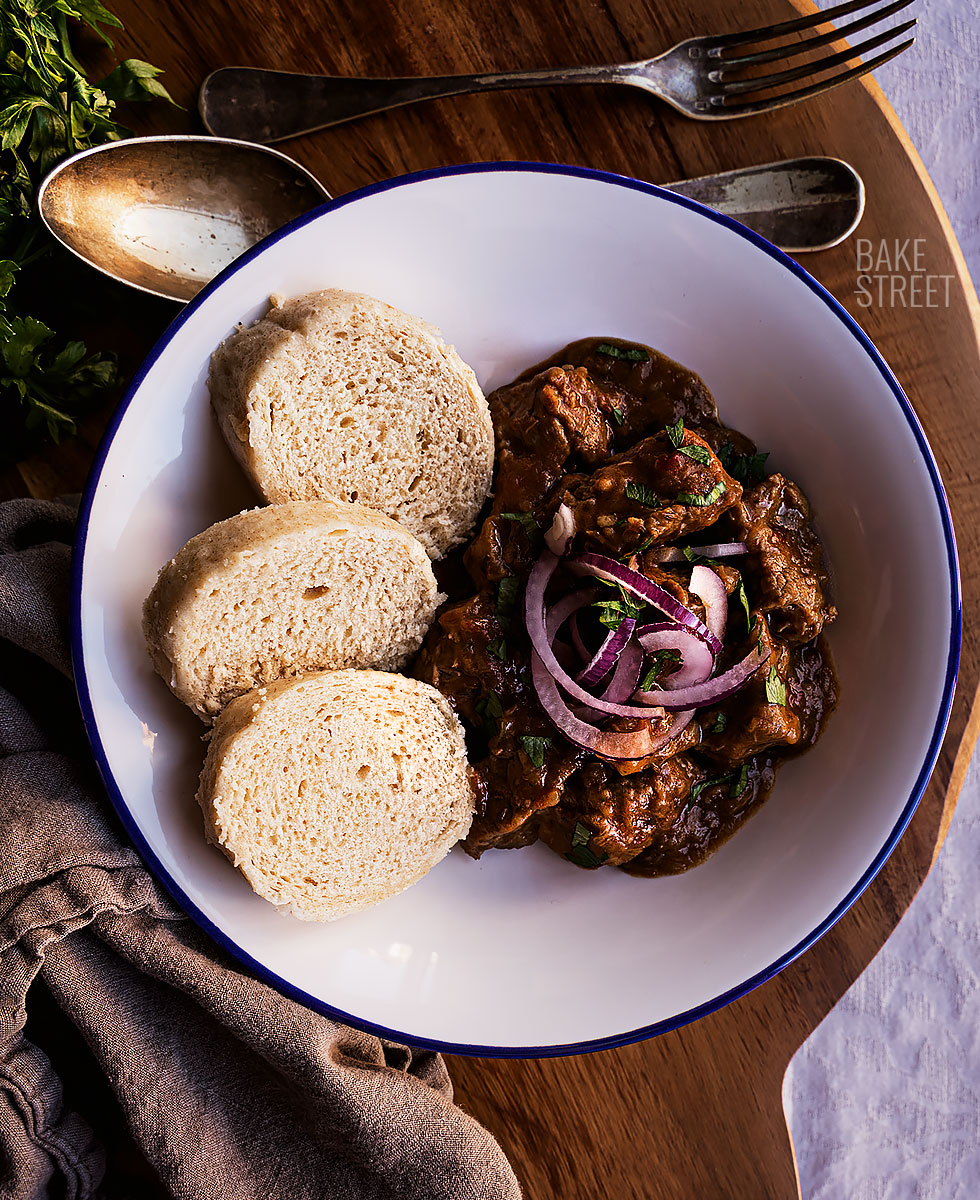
696	1113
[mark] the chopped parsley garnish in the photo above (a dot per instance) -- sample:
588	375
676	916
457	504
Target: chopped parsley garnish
775	688
643	495
741	783
744	601
507	589
746	468
702	501
528	523
580	854
644	545
700	454
629	353
721	720
536	748
498	648
692	556
663	662
619	416
491	710
698	788
611	612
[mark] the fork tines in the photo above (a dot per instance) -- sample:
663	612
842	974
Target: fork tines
733	83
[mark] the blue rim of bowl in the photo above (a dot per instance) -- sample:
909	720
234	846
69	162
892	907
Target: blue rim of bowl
646	1031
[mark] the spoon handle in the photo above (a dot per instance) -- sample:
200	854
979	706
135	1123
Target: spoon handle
267	106
798	204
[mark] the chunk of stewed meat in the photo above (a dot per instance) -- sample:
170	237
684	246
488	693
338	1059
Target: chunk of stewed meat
652	491
623	816
788	575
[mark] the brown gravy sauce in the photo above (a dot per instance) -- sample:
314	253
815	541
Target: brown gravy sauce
576	429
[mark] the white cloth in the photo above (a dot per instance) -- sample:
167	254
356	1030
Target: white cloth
883	1100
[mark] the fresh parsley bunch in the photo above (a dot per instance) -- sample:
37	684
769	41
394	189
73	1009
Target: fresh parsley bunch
48	110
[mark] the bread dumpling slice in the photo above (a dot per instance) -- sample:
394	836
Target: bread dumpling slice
336	394
334	792
279	591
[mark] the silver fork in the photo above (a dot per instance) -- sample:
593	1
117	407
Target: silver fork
700	78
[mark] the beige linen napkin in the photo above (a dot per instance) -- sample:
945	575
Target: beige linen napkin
229	1089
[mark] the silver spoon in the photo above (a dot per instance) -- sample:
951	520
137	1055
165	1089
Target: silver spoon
166	214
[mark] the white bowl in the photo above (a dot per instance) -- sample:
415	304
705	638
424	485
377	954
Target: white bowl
521	953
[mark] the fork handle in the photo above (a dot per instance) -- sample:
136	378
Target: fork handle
267	106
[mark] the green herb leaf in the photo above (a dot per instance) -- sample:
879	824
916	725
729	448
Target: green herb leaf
743	599
48	110
536	748
702	501
642	494
134	79
611	617
580	853
703	786
775	688
507	590
644	545
741	783
700	454
692	557
662	662
581	834
498	648
619	416
491	710
721	720
629	353
746	468
698	788
676	433
527	522
612	612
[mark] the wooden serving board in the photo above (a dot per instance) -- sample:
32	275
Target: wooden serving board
697	1112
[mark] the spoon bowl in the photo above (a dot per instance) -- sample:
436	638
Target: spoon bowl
166	214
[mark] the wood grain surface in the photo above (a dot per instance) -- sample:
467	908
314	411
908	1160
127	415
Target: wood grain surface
696	1113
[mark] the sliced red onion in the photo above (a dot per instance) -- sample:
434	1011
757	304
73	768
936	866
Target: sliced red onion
559	536
721	549
663	554
707	586
641	744
680	722
601	567
537	628
712	690
607	656
626	676
697	660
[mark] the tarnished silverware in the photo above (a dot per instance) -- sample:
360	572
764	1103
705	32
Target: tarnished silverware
166	214
709	78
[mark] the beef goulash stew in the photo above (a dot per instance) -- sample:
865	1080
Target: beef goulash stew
643	646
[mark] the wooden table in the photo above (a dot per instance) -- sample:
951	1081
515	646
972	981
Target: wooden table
696	1113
